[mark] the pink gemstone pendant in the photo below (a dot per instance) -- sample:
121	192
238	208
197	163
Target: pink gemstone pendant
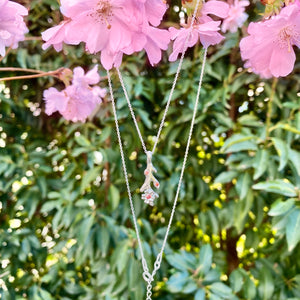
148	193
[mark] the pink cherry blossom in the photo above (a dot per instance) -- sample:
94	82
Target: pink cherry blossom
12	25
55	101
112	27
77	101
297	2
204	29
84	80
155	10
268	50
157	39
236	16
57	35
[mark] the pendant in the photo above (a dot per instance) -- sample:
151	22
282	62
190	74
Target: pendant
148	193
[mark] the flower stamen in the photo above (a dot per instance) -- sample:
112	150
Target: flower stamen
103	12
286	37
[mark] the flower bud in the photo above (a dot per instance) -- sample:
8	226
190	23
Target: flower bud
273	7
65	75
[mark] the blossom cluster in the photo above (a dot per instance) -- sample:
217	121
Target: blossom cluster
12	25
112	27
268	49
117	27
204	28
78	100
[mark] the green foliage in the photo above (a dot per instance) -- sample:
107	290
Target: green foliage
65	225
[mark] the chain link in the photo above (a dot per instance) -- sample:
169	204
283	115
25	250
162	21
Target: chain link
149	291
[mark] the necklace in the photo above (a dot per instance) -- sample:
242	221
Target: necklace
146	188
149	277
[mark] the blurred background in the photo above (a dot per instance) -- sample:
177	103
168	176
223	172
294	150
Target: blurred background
66	231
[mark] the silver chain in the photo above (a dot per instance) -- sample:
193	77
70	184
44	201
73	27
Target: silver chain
149	277
131	111
170	95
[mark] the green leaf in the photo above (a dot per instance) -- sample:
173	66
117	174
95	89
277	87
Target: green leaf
82	141
103	238
214	297
292	229
266	284
190	287
73	289
250	120
249	289
114	197
261	163
22	54
280	207
212	276
225	177
82	203
279	186
282	151
78	151
54	195
200	295
120	256
221	289
45	295
243	185
88	177
134	273
205	259
294	157
41	181
49	205
242	146
57	218
239	142
236	280
177	281
105	134
181	261
145	117
85	228
287	127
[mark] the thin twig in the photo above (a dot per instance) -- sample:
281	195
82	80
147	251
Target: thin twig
12	69
53	74
33	38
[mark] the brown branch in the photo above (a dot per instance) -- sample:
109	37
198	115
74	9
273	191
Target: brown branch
52	74
33	38
12	69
